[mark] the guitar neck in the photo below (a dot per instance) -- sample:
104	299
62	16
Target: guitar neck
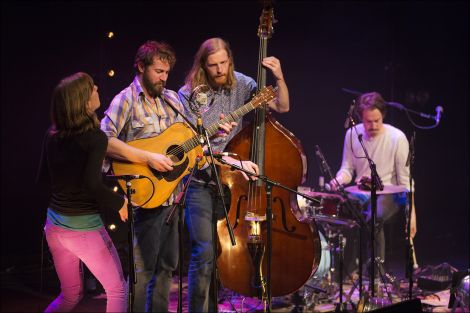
234	116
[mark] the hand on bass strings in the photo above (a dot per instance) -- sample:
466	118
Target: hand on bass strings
246	165
274	65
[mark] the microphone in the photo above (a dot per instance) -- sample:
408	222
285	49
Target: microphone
324	166
199	99
200	93
439	111
219	155
348	118
125	177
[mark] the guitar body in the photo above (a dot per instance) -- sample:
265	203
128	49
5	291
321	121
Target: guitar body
168	143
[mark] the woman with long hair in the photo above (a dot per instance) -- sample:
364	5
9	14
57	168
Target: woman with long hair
73	152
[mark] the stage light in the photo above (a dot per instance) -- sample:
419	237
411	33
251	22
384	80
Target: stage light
115	189
111	73
112	227
110	35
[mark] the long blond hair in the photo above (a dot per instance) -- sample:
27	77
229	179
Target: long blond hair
197	75
69	113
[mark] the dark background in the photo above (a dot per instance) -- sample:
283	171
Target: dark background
415	53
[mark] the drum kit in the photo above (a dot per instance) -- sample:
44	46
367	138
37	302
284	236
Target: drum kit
332	221
328	215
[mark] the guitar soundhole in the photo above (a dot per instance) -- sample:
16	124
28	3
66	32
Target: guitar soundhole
175	153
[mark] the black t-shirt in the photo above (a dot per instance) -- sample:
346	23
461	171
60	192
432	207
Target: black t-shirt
72	167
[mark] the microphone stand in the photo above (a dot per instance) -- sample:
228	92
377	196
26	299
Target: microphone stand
376	183
132	278
179	204
268	186
204	138
410	250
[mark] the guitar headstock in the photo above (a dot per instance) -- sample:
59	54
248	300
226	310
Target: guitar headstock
263	96
266	21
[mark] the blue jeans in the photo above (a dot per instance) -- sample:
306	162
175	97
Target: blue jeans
198	215
156	257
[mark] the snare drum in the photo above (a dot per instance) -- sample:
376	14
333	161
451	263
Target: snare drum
330	205
327	204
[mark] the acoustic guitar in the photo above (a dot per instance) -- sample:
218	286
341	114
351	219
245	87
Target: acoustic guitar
181	144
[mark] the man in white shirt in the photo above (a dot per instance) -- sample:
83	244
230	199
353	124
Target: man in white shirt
388	147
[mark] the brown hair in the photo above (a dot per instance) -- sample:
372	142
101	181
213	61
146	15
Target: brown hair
151	49
370	101
69	113
198	76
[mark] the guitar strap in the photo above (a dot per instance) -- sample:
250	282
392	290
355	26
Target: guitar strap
168	102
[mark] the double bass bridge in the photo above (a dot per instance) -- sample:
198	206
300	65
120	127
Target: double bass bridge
256	250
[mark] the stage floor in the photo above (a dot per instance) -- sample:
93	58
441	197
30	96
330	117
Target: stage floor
22	292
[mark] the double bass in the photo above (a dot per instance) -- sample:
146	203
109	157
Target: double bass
295	245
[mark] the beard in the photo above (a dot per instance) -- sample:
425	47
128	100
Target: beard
154	89
219	81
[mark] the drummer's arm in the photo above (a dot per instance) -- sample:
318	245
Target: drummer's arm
342	178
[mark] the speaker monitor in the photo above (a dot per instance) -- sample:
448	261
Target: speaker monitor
413	305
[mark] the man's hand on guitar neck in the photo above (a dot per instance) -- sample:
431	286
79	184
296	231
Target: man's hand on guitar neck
225	128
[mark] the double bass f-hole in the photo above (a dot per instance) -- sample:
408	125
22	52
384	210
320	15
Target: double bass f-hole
237	216
284	221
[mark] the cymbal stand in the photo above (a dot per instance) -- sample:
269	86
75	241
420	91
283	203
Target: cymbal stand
409	243
340	306
348	205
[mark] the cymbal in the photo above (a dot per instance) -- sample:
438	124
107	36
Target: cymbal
387	190
317	194
335	220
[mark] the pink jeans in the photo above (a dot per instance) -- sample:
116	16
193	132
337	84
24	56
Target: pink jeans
96	250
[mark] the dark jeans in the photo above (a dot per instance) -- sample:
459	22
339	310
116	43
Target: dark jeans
387	208
201	200
156	257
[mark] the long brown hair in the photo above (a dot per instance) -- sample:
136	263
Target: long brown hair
69	113
198	76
